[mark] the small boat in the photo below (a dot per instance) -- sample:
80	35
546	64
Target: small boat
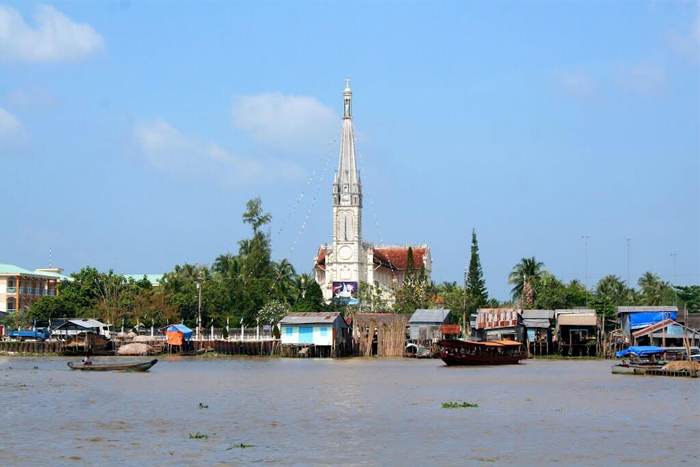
641	360
191	353
458	352
144	366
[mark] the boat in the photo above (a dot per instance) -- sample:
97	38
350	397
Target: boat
641	359
192	353
143	366
459	352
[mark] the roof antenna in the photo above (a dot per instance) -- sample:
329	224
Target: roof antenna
50	256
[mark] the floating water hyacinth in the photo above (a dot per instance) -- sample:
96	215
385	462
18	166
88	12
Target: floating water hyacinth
458	405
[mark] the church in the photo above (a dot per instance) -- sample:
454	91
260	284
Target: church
349	261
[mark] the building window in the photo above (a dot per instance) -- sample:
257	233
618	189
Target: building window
11	282
11	304
288	331
324	332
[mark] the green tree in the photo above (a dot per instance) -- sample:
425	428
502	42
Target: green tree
477	295
416	291
524	277
654	290
254	214
690	296
612	289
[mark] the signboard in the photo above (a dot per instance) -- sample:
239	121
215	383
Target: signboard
492	318
346	292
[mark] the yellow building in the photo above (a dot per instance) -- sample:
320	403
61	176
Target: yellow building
21	288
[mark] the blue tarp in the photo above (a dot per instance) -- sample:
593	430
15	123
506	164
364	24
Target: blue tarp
642	320
186	332
640	350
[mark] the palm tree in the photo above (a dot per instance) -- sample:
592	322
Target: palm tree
612	289
654	290
227	265
284	279
523	277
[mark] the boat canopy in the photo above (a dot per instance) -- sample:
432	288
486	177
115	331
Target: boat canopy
460	343
640	350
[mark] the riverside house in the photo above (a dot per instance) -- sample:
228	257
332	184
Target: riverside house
315	334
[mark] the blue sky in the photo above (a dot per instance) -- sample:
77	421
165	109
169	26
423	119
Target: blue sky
132	133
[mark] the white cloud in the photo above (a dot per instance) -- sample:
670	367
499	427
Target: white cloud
56	38
294	123
189	159
13	136
576	83
641	78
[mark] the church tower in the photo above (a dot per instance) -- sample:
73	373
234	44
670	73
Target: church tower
347	205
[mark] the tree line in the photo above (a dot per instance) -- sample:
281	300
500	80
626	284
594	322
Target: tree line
249	288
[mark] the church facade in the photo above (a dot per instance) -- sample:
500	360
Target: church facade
342	266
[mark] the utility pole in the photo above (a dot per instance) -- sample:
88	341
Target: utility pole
465	328
675	279
585	238
199	312
628	261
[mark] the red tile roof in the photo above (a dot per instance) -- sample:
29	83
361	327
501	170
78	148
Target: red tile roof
397	257
391	257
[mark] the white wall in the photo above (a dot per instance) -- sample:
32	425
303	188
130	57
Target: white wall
318	338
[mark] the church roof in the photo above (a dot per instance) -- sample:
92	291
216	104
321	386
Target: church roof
392	257
397	257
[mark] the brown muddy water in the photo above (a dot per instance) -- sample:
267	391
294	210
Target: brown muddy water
344	412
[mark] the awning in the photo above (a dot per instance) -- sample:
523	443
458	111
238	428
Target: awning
577	320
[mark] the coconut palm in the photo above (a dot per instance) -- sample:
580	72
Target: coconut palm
654	290
612	289
227	265
523	277
284	279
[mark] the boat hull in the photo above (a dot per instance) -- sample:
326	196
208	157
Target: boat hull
131	367
463	360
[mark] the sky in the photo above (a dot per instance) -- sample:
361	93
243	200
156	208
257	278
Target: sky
133	133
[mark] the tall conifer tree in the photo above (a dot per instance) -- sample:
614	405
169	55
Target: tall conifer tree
477	295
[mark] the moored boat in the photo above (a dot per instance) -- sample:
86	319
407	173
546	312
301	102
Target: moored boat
458	352
143	366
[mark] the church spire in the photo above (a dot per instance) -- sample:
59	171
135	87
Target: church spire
347	190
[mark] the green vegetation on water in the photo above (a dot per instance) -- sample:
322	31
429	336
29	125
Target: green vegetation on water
198	435
458	405
240	446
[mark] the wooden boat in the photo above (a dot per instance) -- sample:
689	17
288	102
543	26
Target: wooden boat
144	366
457	352
650	370
192	353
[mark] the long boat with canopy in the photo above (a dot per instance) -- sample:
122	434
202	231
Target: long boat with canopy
503	352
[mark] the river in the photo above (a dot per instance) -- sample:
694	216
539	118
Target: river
344	412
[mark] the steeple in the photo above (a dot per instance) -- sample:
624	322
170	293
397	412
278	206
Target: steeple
347	190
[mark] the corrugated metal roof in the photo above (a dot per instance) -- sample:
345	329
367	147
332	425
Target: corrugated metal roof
429	316
577	319
538	314
586	311
311	318
644	309
86	323
536	323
